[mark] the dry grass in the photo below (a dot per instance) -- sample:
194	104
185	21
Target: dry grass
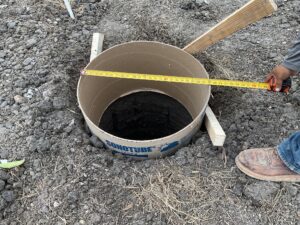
180	198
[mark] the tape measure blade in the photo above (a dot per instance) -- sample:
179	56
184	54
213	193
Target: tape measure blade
177	79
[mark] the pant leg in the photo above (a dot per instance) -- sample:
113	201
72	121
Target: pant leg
289	152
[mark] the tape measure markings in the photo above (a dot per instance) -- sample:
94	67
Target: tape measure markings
176	79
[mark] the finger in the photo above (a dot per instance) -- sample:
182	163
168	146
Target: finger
268	77
278	85
271	80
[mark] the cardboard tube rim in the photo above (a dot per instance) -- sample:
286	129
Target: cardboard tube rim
146	142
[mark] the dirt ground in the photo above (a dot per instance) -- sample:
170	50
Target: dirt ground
68	178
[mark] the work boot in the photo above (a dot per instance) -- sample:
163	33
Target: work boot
265	164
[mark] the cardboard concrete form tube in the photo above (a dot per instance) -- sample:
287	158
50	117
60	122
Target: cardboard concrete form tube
95	94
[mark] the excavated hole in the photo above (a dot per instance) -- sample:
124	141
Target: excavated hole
145	115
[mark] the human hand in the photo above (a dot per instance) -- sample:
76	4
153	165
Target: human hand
280	73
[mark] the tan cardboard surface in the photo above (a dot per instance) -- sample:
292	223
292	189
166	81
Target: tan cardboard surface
95	93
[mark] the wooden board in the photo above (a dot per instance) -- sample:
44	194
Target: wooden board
214	129
97	45
249	13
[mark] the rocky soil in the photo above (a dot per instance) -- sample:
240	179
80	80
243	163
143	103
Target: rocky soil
69	178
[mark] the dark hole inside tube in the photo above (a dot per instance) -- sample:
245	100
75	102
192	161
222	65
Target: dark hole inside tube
145	115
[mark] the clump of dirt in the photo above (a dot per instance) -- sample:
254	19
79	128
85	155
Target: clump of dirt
68	178
203	9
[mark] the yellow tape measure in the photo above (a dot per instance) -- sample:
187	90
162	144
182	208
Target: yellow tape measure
176	79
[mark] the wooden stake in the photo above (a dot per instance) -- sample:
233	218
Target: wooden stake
97	45
249	13
69	8
214	129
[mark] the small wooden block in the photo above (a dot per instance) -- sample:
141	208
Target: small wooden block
214	129
97	45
